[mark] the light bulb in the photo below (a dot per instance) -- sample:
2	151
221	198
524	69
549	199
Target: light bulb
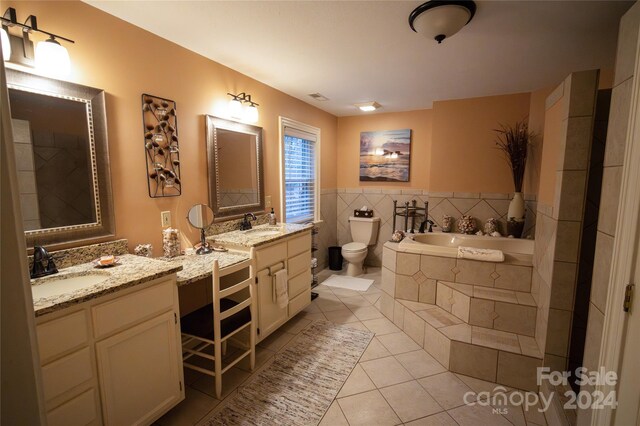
52	58
6	44
235	109
251	114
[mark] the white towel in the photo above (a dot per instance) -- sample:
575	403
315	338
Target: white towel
282	293
485	255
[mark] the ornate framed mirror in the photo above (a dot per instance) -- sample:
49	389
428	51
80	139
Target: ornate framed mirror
62	159
234	159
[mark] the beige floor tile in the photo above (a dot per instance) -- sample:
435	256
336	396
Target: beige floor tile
230	382
342	316
385	371
193	408
296	324
357	382
355	302
190	376
311	309
446	388
381	326
372	298
398	343
438	317
420	364
375	350
276	340
410	401
513	413
357	325
327	304
315	316
367	313
476	415
482	385
334	416
262	356
440	419
368	409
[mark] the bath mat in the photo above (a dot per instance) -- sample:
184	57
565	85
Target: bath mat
301	382
352	283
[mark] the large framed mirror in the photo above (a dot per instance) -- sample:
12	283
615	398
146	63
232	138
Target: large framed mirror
234	158
62	159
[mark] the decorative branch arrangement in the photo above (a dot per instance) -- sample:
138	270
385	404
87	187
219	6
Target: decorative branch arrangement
161	146
514	142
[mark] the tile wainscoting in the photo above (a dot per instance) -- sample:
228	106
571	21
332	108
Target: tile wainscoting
482	206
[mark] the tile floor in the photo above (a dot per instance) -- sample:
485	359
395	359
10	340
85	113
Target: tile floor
395	382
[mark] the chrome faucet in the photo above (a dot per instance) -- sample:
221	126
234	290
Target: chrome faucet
39	269
245	224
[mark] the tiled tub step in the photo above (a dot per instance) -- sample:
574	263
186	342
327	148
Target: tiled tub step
502	357
493	308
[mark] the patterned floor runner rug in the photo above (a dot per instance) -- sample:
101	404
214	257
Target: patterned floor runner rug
301	382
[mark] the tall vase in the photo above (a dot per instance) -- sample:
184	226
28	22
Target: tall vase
515	216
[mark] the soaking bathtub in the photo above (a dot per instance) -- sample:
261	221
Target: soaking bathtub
518	251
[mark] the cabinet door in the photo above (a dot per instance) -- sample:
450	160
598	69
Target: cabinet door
270	315
139	371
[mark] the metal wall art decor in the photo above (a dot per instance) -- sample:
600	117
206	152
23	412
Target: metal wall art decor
161	146
385	156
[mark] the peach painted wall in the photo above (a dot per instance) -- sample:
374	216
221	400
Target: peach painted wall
349	128
463	154
536	125
127	61
553	134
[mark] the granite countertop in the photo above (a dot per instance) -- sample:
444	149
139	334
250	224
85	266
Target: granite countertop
131	270
259	235
196	267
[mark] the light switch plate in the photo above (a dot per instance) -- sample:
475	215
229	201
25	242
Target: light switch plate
165	218
267	201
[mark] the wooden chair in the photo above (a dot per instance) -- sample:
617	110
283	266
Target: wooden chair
210	327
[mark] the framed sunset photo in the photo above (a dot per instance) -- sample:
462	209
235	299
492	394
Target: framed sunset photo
385	156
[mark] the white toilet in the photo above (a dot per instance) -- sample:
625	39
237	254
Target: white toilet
364	232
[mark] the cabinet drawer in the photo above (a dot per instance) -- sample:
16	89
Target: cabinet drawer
62	335
81	410
299	263
300	302
299	244
66	373
268	256
299	283
133	307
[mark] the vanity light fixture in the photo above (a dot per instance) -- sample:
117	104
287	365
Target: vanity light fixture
49	56
439	19
238	111
368	106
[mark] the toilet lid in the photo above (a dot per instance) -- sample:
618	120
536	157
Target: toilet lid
354	247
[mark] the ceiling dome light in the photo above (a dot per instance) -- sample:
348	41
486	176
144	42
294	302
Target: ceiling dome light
52	58
441	19
368	106
6	44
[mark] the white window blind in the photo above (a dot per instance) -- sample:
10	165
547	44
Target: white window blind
299	175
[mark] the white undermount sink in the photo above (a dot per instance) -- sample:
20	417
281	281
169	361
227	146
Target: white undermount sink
263	232
66	285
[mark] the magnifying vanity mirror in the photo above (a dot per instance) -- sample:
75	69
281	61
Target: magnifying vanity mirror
234	153
62	159
201	216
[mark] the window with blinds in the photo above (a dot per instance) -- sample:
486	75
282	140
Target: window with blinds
299	175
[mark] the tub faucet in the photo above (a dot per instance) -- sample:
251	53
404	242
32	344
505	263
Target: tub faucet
245	224
39	269
423	224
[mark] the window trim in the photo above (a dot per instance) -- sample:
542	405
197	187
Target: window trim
315	131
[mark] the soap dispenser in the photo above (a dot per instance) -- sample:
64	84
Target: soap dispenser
272	217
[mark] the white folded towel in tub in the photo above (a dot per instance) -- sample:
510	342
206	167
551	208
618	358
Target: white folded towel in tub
281	290
486	255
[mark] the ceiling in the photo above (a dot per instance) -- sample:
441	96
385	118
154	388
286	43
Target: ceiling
358	51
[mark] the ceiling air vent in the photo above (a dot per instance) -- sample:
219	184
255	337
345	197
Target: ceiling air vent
318	97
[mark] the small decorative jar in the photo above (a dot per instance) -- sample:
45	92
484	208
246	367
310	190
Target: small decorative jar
171	242
397	236
447	223
145	250
491	226
466	224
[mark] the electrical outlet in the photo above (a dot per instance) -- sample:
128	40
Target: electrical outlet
165	218
267	201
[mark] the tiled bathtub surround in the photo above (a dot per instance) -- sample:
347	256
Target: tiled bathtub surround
476	318
77	255
480	205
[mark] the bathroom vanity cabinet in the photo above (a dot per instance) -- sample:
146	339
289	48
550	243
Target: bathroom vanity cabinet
113	360
293	253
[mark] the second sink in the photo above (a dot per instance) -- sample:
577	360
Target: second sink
59	285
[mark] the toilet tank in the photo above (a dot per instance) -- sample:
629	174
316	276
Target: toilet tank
364	229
